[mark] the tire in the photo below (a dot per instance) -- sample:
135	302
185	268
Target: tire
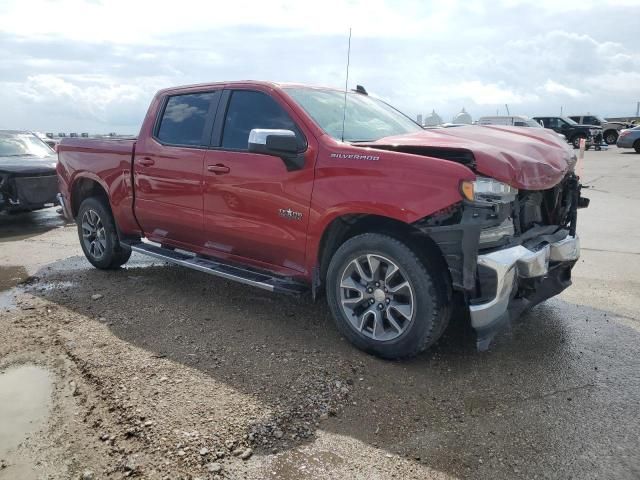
611	137
98	235
575	141
636	146
402	320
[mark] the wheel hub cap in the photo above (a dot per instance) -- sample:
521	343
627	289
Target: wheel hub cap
379	295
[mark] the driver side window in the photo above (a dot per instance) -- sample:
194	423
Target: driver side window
248	110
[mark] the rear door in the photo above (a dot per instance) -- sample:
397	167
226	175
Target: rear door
254	209
168	169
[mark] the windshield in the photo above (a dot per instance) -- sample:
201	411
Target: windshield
14	144
366	119
569	121
533	123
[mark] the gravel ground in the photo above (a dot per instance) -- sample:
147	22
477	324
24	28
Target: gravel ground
161	372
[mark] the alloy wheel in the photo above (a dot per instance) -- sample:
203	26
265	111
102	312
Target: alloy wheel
93	234
377	297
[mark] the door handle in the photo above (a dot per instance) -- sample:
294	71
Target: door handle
146	161
218	169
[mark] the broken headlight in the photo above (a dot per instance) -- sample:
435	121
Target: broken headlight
485	189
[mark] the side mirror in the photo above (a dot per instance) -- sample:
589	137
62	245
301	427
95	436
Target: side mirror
278	143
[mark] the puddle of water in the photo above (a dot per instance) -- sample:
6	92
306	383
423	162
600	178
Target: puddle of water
12	276
25	397
7	302
21	226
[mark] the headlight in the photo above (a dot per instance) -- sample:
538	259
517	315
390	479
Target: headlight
594	131
485	189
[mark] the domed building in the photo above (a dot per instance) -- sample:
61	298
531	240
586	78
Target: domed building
463	117
432	120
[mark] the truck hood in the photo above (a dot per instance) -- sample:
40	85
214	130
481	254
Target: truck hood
28	165
525	158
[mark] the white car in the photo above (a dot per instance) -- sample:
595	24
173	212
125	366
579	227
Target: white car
513	121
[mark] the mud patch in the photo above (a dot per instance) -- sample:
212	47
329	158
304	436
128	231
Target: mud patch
12	276
25	400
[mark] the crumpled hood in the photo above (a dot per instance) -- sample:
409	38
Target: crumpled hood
25	165
525	158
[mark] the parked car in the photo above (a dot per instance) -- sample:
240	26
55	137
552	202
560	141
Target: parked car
513	120
610	130
573	131
49	140
281	187
629	138
28	178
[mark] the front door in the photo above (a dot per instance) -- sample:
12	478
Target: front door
168	170
254	208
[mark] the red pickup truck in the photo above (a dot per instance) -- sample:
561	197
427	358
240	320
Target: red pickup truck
293	188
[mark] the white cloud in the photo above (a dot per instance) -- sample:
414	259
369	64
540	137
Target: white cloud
556	88
94	65
487	94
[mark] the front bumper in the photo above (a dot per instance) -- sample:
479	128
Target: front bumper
626	141
522	278
21	193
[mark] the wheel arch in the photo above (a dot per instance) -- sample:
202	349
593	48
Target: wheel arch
84	187
347	226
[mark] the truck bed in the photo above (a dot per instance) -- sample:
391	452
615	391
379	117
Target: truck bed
107	161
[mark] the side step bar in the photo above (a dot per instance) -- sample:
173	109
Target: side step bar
254	278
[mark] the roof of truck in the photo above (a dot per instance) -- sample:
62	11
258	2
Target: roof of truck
263	83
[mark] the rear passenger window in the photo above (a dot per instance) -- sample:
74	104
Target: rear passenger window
184	118
248	110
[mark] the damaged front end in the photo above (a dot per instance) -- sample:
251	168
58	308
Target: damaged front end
508	249
27	191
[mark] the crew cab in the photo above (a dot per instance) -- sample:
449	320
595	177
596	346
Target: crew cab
300	189
574	132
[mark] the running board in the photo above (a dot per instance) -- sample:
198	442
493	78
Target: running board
254	278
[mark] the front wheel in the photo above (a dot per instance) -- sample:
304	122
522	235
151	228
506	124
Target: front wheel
385	299
99	237
611	137
636	146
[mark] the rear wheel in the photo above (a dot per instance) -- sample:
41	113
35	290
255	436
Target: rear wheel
384	299
98	235
636	146
611	137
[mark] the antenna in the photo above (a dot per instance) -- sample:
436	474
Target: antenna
507	108
346	83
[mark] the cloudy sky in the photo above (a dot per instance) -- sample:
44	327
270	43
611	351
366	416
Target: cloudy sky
93	65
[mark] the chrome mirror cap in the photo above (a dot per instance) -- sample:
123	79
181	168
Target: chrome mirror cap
259	136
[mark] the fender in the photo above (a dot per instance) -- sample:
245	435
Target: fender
396	185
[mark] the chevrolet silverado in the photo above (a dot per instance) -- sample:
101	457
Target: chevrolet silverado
296	189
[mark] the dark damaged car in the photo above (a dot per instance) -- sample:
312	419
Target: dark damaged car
28	178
